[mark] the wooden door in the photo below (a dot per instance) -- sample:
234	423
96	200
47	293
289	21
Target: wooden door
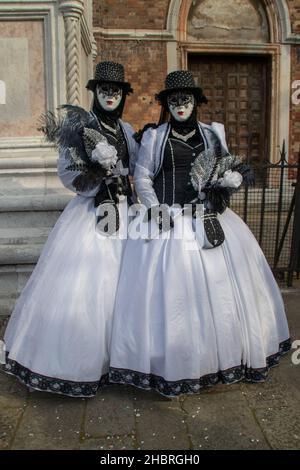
237	88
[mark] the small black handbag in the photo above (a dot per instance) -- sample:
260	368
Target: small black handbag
213	232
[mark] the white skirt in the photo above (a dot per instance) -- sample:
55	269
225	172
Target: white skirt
187	317
58	336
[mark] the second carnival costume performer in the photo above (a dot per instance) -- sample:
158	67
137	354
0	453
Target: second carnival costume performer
205	306
58	336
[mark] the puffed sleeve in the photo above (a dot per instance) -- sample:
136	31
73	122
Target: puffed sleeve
230	161
67	177
219	130
144	169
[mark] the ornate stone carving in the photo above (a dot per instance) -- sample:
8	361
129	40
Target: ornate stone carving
94	47
72	12
233	21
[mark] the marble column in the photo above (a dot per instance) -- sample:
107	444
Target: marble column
72	12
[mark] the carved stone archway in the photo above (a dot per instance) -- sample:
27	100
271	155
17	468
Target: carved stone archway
277	13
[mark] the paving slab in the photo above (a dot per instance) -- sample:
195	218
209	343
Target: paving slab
118	442
281	426
12	392
53	423
160	422
110	412
9	420
222	421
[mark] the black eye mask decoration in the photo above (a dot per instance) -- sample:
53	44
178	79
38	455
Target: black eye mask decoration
107	89
180	99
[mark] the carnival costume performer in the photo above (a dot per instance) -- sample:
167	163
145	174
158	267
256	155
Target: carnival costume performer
205	306
58	336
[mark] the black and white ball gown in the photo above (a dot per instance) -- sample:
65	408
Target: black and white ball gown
194	316
57	339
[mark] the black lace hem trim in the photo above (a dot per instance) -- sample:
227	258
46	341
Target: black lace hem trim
44	383
191	386
146	381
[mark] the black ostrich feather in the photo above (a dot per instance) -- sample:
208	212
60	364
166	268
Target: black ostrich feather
50	126
72	126
65	129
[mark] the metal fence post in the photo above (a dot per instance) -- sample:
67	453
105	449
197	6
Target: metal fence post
294	265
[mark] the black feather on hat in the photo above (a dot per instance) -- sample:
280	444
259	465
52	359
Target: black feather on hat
179	80
111	72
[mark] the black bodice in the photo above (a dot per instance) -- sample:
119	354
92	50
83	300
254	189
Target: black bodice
172	185
117	140
114	134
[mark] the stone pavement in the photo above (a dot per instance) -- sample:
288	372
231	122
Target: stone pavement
238	416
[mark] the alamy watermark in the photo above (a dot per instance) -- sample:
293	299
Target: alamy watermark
295	358
2	352
158	222
296	93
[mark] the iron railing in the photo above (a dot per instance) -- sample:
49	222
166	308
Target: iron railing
272	211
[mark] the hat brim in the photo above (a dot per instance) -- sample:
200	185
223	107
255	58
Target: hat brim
91	85
197	92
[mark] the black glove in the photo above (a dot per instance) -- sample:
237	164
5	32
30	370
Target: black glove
107	192
217	197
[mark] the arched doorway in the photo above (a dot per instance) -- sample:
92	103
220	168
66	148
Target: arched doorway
239	52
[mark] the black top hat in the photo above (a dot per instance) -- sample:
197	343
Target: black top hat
178	80
108	71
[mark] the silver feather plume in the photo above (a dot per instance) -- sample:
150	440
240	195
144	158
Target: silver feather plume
91	138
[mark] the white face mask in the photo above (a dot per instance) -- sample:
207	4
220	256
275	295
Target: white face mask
181	105
109	96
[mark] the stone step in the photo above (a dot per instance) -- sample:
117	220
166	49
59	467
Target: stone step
7	305
28	219
35	202
12	281
23	236
20	253
31	200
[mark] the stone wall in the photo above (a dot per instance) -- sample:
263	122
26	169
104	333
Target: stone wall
23	72
295	103
145	59
294	8
145	63
130	14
